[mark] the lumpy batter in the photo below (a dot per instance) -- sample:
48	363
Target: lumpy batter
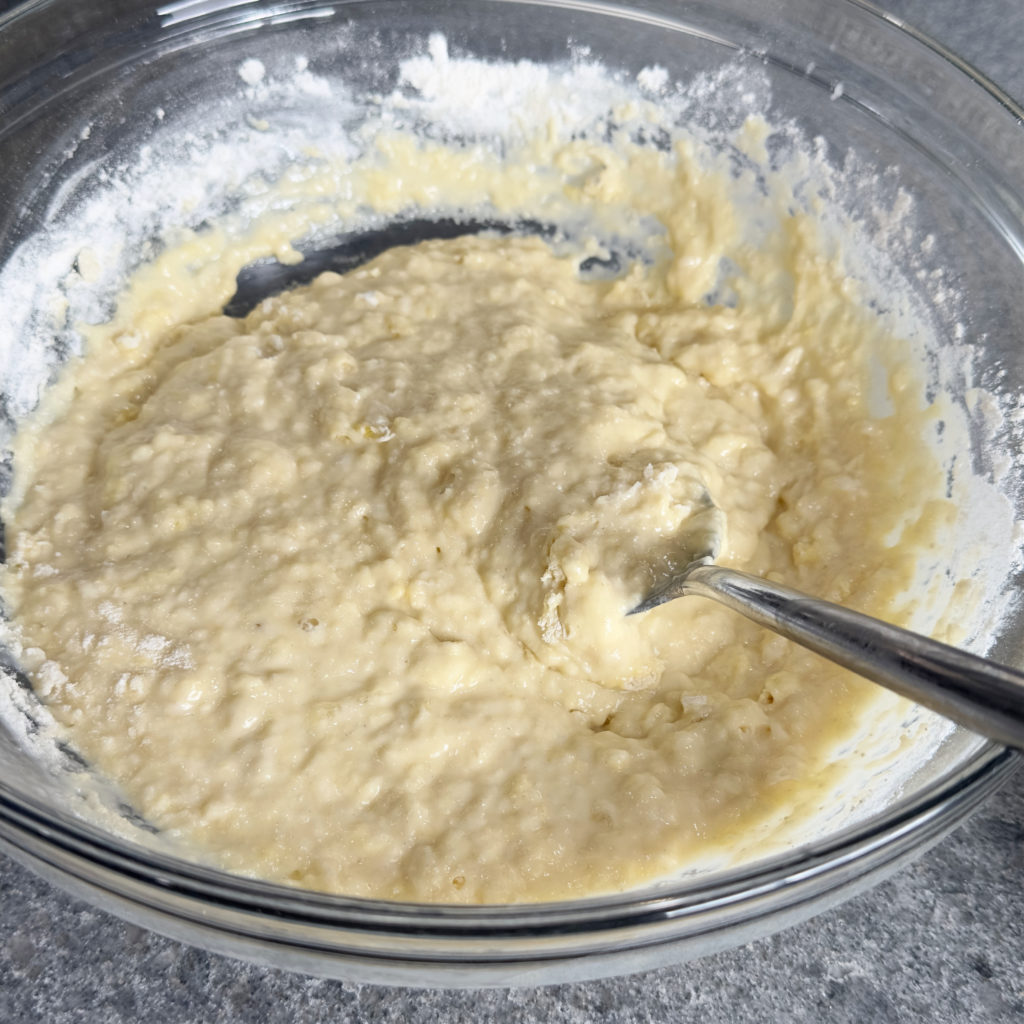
336	592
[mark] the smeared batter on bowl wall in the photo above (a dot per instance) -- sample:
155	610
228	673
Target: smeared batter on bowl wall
336	593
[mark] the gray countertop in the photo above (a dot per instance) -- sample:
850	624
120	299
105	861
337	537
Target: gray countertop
942	941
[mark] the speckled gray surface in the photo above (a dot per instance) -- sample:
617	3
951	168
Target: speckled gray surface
943	941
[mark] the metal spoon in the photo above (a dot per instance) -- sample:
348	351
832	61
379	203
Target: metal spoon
975	692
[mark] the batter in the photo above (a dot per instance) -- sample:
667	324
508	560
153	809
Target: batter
336	592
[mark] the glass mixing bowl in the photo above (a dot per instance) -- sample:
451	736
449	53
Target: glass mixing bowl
84	87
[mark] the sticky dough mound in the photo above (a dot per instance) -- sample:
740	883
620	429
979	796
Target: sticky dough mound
336	592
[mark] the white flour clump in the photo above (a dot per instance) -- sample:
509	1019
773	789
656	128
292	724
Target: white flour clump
251	71
483	98
653	79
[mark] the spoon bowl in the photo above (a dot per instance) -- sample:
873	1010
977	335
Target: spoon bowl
975	692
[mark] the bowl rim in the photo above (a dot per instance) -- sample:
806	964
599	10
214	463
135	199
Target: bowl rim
960	790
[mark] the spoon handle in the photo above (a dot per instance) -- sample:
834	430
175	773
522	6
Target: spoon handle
979	694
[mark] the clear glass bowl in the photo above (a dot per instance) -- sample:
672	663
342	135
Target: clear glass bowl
844	72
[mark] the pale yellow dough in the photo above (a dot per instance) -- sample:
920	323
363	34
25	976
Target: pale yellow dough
336	593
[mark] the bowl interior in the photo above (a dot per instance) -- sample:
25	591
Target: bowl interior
99	106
